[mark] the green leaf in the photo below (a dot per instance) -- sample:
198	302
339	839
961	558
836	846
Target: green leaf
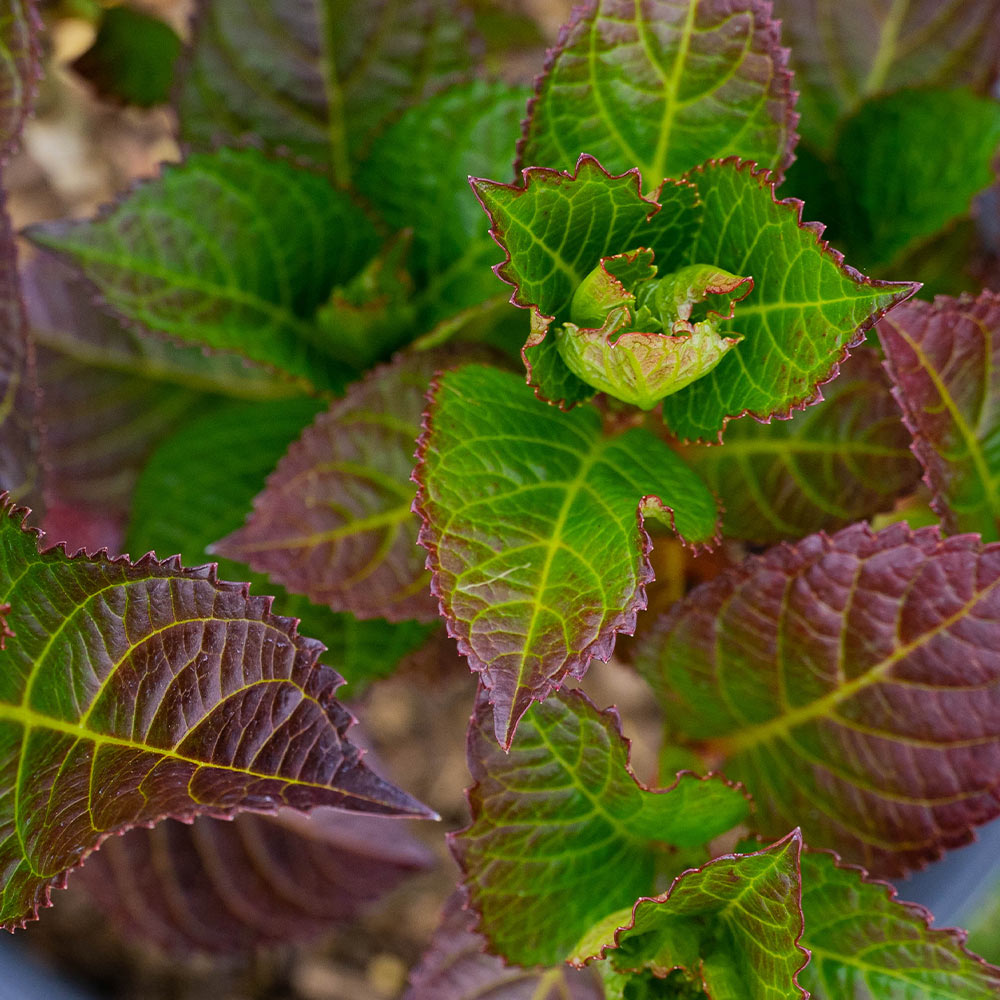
664	86
533	521
20	68
135	691
230	250
847	52
733	925
199	485
943	360
563	834
868	946
417	177
132	58
852	683
840	461
316	79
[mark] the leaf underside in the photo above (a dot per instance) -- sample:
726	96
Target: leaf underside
533	523
137	691
853	684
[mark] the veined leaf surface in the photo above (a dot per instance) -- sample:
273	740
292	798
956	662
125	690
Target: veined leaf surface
136	691
663	86
20	67
563	834
533	523
853	684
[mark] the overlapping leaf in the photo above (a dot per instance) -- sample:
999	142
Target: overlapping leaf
944	360
335	520
734	927
663	86
868	946
20	67
230	250
840	461
563	834
845	51
853	684
313	78
533	521
456	967
256	881
136	691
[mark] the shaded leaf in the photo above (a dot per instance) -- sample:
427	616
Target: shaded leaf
943	360
20	68
853	683
230	250
563	834
840	461
314	79
335	520
845	52
533	523
136	691
733	925
222	887
663	86
456	967
868	946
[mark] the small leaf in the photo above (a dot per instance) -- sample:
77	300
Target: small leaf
335	520
852	683
230	250
316	80
563	834
20	68
663	86
868	946
840	461
944	361
533	523
257	881
136	691
734	925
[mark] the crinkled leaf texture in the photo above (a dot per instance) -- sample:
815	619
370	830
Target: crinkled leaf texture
563	834
221	887
663	86
137	691
315	78
335	521
533	524
868	946
840	461
457	967
944	361
20	68
734	926
230	250
846	51
805	309
853	683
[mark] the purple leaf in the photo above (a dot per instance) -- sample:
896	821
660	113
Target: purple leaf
20	69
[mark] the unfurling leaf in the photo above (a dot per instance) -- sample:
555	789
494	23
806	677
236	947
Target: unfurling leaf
136	691
533	521
852	683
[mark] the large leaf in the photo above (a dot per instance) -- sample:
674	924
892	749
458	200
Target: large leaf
945	362
840	461
457	967
256	881
845	51
734	927
316	78
853	683
230	250
20	67
663	86
335	520
136	691
533	523
563	834
868	946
